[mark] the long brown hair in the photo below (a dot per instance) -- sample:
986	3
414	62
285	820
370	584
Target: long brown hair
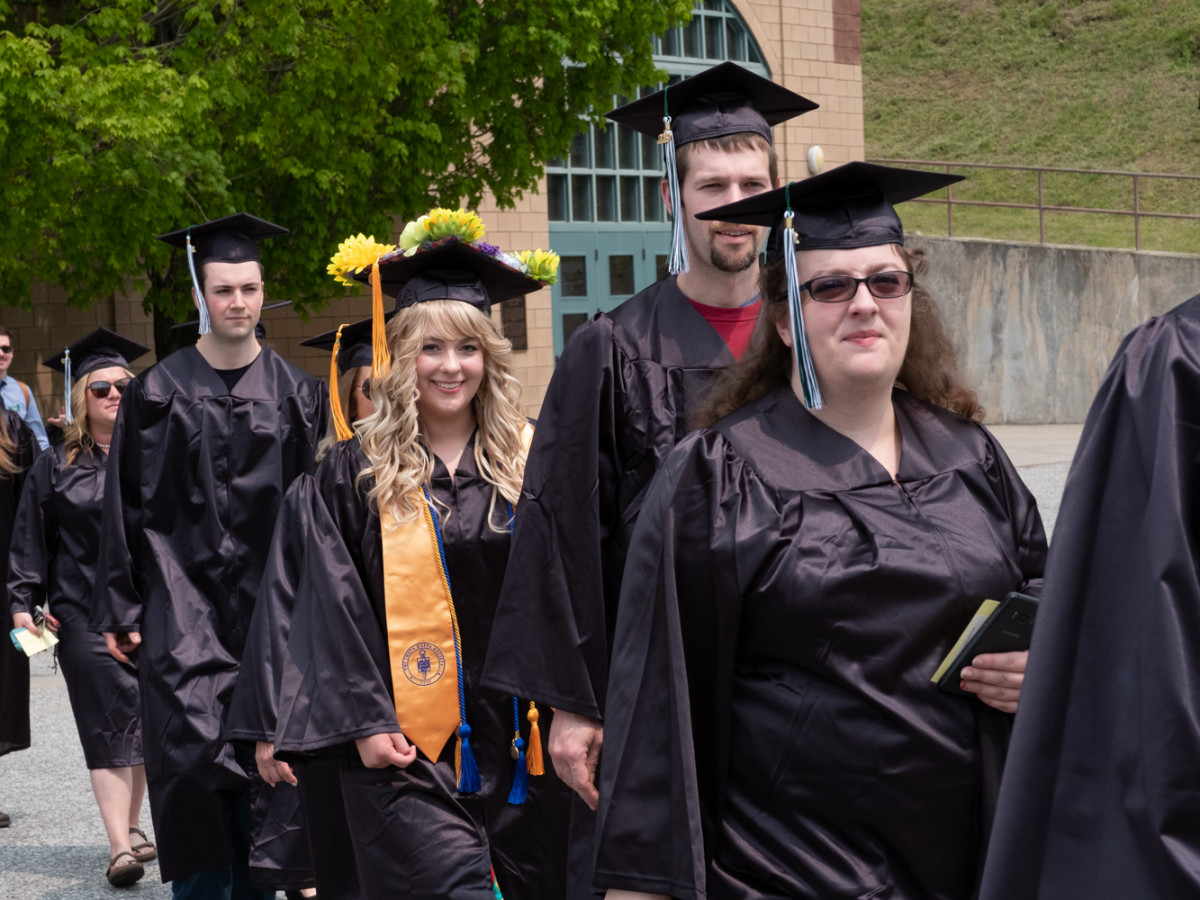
8	453
929	371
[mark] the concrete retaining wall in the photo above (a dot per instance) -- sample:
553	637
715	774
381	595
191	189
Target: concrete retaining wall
1037	325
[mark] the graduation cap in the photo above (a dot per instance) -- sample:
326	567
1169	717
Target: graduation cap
350	347
845	208
232	239
723	100
98	350
451	270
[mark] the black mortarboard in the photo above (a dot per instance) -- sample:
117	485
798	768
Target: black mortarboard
842	209
351	347
98	350
720	101
232	239
452	270
847	207
355	347
725	99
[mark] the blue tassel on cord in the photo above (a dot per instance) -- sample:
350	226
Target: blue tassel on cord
469	781
520	788
67	384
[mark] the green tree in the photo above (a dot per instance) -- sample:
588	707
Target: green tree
121	119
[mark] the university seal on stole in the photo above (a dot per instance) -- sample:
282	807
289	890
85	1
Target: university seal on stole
423	664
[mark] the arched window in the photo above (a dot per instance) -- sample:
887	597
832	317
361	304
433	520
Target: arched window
607	220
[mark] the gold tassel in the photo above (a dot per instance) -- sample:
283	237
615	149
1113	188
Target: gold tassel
381	357
533	756
340	426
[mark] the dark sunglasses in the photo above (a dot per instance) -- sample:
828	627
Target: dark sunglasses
365	387
7	348
840	288
100	389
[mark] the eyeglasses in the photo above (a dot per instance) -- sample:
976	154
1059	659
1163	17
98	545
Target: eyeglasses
100	389
7	348
840	288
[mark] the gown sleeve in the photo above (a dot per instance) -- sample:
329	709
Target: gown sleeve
116	600
550	634
252	712
1101	794
1029	534
35	534
703	532
336	673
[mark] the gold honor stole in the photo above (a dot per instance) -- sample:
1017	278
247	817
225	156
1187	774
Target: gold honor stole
422	630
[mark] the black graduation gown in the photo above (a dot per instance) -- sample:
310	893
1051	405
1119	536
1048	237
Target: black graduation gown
253	709
621	397
197	473
339	688
1101	796
772	728
53	558
14	665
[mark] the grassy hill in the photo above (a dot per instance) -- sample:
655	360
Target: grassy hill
1092	84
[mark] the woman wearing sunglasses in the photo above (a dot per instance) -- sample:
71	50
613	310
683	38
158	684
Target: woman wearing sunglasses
801	566
52	565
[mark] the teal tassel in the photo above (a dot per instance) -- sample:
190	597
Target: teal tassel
520	788
679	262
469	780
804	361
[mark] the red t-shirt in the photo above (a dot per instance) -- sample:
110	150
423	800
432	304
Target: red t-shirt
734	324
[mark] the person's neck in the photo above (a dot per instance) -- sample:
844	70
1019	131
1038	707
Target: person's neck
101	436
713	287
222	354
867	417
448	437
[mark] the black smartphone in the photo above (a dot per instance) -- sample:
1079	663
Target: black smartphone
1008	628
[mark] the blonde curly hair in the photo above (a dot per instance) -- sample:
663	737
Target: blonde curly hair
392	440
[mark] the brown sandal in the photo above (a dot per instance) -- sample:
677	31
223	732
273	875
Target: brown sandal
123	874
145	851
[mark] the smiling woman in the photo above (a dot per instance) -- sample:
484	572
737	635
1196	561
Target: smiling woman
409	520
801	565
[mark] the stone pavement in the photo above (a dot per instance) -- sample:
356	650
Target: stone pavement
56	850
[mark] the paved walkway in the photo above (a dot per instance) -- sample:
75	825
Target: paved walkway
56	850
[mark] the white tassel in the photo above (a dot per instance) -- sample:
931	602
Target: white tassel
205	324
66	360
679	252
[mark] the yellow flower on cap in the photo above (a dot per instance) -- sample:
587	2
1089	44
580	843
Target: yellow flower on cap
439	224
540	264
353	255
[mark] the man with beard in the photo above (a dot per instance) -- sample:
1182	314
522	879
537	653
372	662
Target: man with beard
620	399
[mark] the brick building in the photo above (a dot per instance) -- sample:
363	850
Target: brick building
598	206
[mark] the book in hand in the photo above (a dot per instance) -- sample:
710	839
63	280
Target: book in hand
997	627
29	643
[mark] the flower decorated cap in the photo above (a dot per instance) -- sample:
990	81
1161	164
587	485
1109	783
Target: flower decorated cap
720	101
98	350
441	256
845	208
232	239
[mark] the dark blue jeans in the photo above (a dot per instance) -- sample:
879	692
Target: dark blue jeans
230	882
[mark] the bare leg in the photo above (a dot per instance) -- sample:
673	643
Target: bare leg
136	793
114	789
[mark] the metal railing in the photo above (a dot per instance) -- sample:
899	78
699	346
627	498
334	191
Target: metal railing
950	201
